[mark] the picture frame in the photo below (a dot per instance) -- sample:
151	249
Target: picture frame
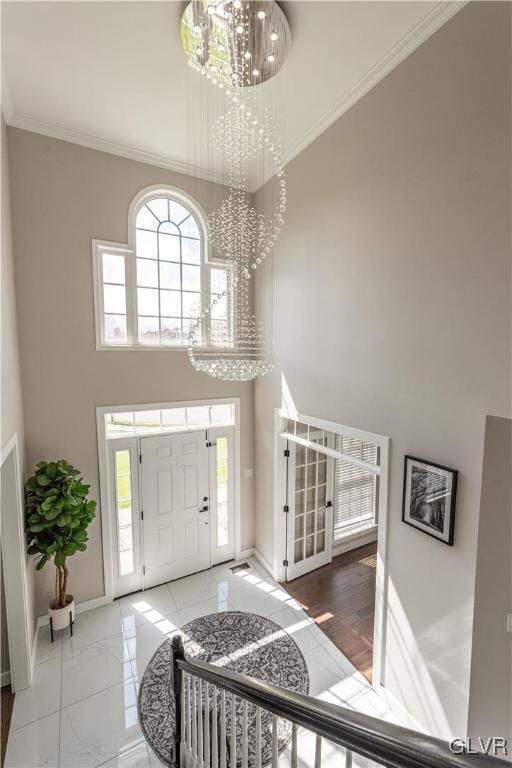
429	498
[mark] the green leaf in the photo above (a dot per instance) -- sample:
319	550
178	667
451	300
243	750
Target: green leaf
60	558
63	519
42	562
35	527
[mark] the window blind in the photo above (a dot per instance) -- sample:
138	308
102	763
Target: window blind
355	489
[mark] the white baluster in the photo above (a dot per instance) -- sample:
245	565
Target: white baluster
200	742
183	720
188	733
232	761
258	738
348	758
318	752
244	736
294	746
223	763
215	742
207	763
194	724
275	752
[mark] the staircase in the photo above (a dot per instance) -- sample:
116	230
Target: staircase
225	720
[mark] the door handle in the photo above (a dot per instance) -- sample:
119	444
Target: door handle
329	504
204	509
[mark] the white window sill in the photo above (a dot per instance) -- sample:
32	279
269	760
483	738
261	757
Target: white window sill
155	348
355	536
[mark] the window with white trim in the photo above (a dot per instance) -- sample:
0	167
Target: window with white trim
222	485
123	485
153	291
355	488
158	421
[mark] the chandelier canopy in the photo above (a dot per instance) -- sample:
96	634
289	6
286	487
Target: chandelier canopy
239	43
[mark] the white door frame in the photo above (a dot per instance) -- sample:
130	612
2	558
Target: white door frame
104	469
280	496
14	559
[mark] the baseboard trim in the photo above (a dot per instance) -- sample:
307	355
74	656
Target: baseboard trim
5	678
259	557
88	605
243	554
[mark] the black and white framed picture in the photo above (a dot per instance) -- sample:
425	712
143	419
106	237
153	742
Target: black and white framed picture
429	498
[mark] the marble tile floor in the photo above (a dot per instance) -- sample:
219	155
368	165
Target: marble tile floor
81	711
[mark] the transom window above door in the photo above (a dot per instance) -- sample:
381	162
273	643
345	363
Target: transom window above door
154	291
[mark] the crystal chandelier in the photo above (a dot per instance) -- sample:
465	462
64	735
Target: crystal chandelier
236	45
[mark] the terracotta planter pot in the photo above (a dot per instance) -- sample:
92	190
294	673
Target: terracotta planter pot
60	616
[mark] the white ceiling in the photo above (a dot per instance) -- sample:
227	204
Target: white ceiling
112	75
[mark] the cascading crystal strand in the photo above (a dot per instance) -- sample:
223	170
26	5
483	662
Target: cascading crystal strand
235	45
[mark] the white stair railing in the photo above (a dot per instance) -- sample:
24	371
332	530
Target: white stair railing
228	720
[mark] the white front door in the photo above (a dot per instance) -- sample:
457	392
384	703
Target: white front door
309	501
175	506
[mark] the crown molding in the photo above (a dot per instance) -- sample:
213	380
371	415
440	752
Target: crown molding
435	19
53	131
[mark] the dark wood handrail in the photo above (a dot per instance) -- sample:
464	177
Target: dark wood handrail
387	744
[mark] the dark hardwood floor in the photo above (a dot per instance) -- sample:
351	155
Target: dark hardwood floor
340	597
6	705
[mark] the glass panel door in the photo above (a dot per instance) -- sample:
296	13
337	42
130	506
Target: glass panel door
309	529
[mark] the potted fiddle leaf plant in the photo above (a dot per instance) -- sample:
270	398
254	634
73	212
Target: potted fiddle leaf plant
57	515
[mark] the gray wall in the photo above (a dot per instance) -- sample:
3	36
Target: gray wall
62	197
490	703
392	314
11	413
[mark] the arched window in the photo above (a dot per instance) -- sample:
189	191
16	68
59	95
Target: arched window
150	292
